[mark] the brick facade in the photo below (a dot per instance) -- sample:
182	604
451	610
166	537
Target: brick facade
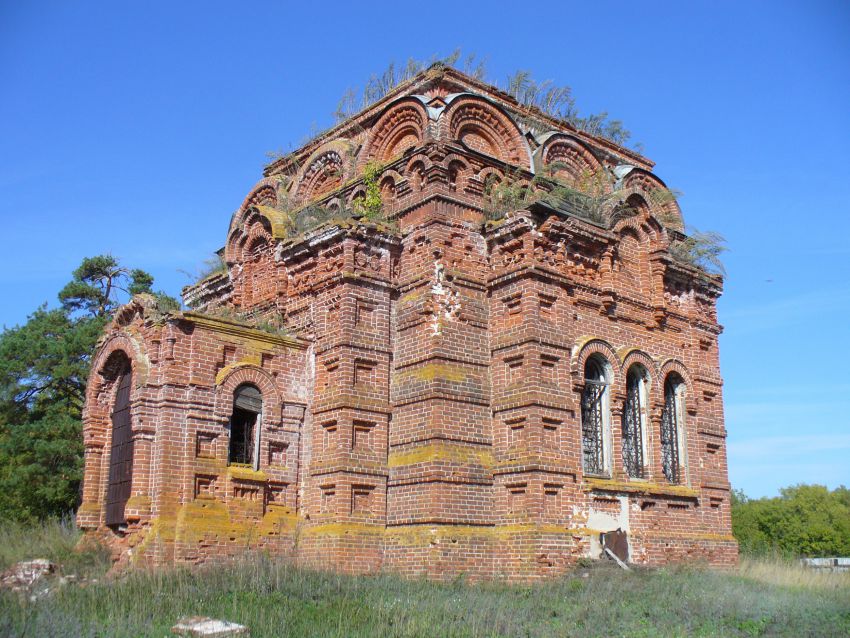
425	409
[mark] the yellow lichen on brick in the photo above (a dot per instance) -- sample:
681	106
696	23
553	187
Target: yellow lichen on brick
442	451
640	487
251	360
245	473
89	508
343	529
434	371
414	295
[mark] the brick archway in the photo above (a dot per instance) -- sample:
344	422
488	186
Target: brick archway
485	128
401	127
249	374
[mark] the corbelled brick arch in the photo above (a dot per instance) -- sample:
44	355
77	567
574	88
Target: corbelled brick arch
401	127
666	366
490	176
119	352
248	253
253	375
247	223
416	170
389	184
126	343
628	356
483	127
264	193
262	202
666	209
641	222
358	192
325	170
632	266
568	159
586	347
459	171
335	204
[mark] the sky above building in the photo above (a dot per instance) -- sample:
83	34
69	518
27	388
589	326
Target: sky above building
136	129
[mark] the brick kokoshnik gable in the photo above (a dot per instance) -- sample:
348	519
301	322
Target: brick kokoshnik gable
434	388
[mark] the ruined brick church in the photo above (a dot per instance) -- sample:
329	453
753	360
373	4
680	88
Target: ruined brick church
440	389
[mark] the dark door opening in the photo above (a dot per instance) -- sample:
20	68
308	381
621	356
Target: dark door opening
121	452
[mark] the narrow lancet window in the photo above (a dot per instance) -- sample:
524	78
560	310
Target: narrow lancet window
670	429
121	452
245	426
593	415
633	423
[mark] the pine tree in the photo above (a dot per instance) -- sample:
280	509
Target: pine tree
44	365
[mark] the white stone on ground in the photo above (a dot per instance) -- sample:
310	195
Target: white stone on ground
208	628
25	574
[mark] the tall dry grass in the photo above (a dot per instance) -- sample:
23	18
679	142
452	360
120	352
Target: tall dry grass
760	598
55	539
786	572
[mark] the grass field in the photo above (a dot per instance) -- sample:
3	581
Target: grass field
761	598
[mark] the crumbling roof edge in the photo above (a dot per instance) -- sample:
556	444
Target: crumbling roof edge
434	72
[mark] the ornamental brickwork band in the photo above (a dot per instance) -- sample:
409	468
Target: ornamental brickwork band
449	336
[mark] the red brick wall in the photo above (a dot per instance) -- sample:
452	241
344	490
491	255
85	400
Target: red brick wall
422	412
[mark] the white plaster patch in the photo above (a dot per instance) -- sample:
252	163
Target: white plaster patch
446	301
601	521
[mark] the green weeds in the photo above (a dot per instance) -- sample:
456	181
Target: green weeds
277	599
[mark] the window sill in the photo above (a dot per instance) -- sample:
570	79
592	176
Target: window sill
245	472
640	486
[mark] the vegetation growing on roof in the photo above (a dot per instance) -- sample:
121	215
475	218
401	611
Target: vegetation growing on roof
558	102
271	323
380	85
215	265
546	96
596	198
370	205
701	249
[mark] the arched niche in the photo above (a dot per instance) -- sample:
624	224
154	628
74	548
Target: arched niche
487	129
660	200
567	160
400	128
324	171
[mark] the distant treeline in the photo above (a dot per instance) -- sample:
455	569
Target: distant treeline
804	520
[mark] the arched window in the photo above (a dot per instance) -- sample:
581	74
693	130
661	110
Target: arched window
245	426
633	421
671	417
594	415
121	449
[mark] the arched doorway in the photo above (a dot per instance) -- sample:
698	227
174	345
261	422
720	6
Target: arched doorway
121	451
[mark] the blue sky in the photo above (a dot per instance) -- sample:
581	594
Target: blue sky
137	128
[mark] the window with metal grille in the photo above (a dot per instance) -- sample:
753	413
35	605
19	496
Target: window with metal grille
594	414
633	422
244	426
670	416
